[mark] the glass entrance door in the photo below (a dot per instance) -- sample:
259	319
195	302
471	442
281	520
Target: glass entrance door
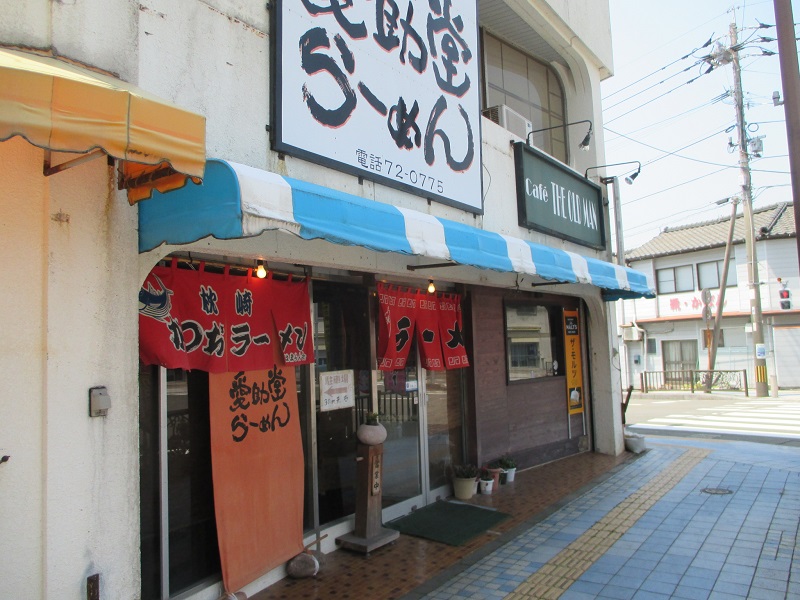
422	412
400	412
443	420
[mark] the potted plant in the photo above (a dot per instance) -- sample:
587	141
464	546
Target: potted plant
465	481
495	469
371	432
487	481
509	465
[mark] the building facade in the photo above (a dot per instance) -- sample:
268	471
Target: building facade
670	332
358	153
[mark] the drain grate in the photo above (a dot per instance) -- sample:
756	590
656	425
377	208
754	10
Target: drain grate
717	491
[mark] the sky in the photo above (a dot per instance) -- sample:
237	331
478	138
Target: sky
660	108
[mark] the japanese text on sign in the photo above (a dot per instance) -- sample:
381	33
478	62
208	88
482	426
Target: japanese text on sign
390	89
574	372
219	323
259	405
337	390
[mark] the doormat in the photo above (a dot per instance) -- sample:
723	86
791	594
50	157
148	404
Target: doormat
448	522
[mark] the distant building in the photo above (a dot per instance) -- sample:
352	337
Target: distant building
668	333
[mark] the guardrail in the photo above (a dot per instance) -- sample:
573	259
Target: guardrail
705	381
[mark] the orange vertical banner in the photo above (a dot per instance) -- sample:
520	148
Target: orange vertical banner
258	469
572	351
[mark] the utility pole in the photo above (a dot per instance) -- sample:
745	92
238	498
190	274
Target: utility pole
790	79
756	318
712	347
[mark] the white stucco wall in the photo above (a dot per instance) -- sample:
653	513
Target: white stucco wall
22	377
70	490
589	22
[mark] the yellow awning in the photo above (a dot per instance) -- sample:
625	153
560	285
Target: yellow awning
58	106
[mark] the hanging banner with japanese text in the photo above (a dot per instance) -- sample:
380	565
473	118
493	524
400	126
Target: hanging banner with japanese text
193	319
435	319
258	469
430	347
388	90
290	310
395	327
451	331
572	350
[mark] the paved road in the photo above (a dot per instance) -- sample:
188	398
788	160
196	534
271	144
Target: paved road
775	420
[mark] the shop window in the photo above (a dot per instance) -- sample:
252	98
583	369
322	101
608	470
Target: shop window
709	274
675	279
530	88
534	341
176	418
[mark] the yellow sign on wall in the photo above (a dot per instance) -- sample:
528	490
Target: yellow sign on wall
572	351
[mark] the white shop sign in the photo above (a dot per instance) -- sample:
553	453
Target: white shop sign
385	89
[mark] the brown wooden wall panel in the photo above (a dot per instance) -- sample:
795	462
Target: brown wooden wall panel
527	419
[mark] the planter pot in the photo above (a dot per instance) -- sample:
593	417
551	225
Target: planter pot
371	435
463	489
486	486
510	474
496	475
503	476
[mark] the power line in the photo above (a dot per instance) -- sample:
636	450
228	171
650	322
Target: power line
682	114
684	57
707	58
676	186
674	152
659	97
675	214
650	87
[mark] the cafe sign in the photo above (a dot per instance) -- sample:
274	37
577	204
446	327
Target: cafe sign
554	199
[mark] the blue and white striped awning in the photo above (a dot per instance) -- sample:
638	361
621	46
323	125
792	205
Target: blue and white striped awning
236	201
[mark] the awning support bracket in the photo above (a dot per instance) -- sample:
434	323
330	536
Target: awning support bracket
533	285
432	266
48	168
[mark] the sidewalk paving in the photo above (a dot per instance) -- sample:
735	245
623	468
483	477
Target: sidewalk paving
690	518
398	569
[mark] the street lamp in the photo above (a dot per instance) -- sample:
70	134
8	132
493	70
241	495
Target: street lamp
620	247
584	145
629	179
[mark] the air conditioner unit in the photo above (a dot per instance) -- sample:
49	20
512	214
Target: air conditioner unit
631	334
510	119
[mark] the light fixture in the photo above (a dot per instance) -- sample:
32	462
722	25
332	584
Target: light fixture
584	145
431	287
261	272
630	178
614	182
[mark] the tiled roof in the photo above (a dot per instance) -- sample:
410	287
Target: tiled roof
770	222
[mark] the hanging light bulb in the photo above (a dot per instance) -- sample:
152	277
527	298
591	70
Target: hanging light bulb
261	272
431	287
